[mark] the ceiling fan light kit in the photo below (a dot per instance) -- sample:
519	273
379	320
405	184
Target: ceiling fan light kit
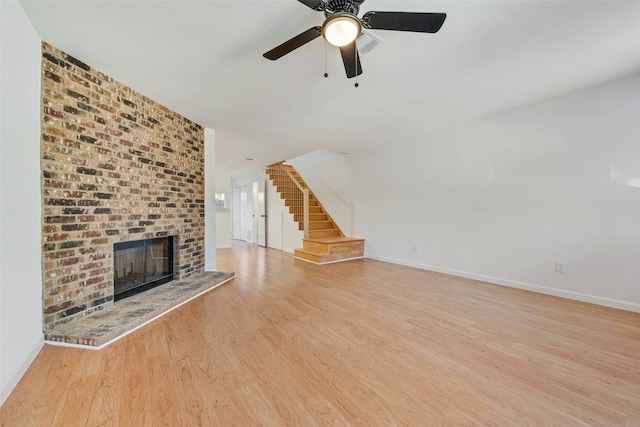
342	27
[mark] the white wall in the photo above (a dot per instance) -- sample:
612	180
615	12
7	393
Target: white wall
223	215
209	200
223	181
249	176
506	197
20	255
328	176
284	234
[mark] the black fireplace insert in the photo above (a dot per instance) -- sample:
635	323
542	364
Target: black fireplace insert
141	265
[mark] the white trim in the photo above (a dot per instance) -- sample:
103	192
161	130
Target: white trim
100	347
17	375
210	219
577	296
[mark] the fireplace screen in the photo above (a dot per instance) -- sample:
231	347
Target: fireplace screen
142	265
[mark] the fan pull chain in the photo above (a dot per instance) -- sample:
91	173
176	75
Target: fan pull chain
325	61
356	62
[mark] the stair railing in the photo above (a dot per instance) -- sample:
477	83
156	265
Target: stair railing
305	195
299	195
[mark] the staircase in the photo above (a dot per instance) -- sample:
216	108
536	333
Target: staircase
323	240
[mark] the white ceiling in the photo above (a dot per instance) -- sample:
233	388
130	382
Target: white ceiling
204	60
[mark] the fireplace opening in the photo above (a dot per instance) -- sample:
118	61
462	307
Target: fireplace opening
141	265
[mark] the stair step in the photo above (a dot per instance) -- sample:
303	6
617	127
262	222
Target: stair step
341	251
324	233
349	247
297	211
292	202
320	225
309	255
313	216
335	240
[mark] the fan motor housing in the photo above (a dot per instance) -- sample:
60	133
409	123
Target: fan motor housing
335	6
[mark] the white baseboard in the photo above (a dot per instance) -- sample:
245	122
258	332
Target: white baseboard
577	296
19	372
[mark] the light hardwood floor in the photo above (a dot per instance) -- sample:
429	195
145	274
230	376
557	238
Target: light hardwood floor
290	343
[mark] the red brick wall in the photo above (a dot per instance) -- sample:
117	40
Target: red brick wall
116	166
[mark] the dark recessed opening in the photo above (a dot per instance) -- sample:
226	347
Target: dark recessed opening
141	265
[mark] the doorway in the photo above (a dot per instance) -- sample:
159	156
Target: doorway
249	214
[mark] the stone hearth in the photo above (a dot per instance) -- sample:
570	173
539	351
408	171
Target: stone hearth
130	313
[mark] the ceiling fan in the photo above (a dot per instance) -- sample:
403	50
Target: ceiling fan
342	27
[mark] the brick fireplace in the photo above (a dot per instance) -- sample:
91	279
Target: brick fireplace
116	167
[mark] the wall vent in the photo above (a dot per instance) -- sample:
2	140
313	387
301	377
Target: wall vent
367	41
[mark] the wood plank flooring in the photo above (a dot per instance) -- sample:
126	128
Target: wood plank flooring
289	343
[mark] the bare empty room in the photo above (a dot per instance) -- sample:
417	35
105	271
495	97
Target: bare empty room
216	213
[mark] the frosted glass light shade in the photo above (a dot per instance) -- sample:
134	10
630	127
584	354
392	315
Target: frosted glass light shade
340	30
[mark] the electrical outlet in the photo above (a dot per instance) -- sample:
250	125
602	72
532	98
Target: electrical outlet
416	248
560	267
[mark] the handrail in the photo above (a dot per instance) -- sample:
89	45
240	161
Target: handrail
294	179
281	166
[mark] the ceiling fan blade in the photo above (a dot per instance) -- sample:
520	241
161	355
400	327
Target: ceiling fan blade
293	44
313	4
351	60
419	22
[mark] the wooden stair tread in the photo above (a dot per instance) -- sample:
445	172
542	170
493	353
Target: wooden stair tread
325	232
311	251
336	239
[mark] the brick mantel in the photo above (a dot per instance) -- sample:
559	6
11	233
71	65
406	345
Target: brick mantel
116	166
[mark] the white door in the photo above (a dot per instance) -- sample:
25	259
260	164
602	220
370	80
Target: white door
254	211
246	220
261	213
236	214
